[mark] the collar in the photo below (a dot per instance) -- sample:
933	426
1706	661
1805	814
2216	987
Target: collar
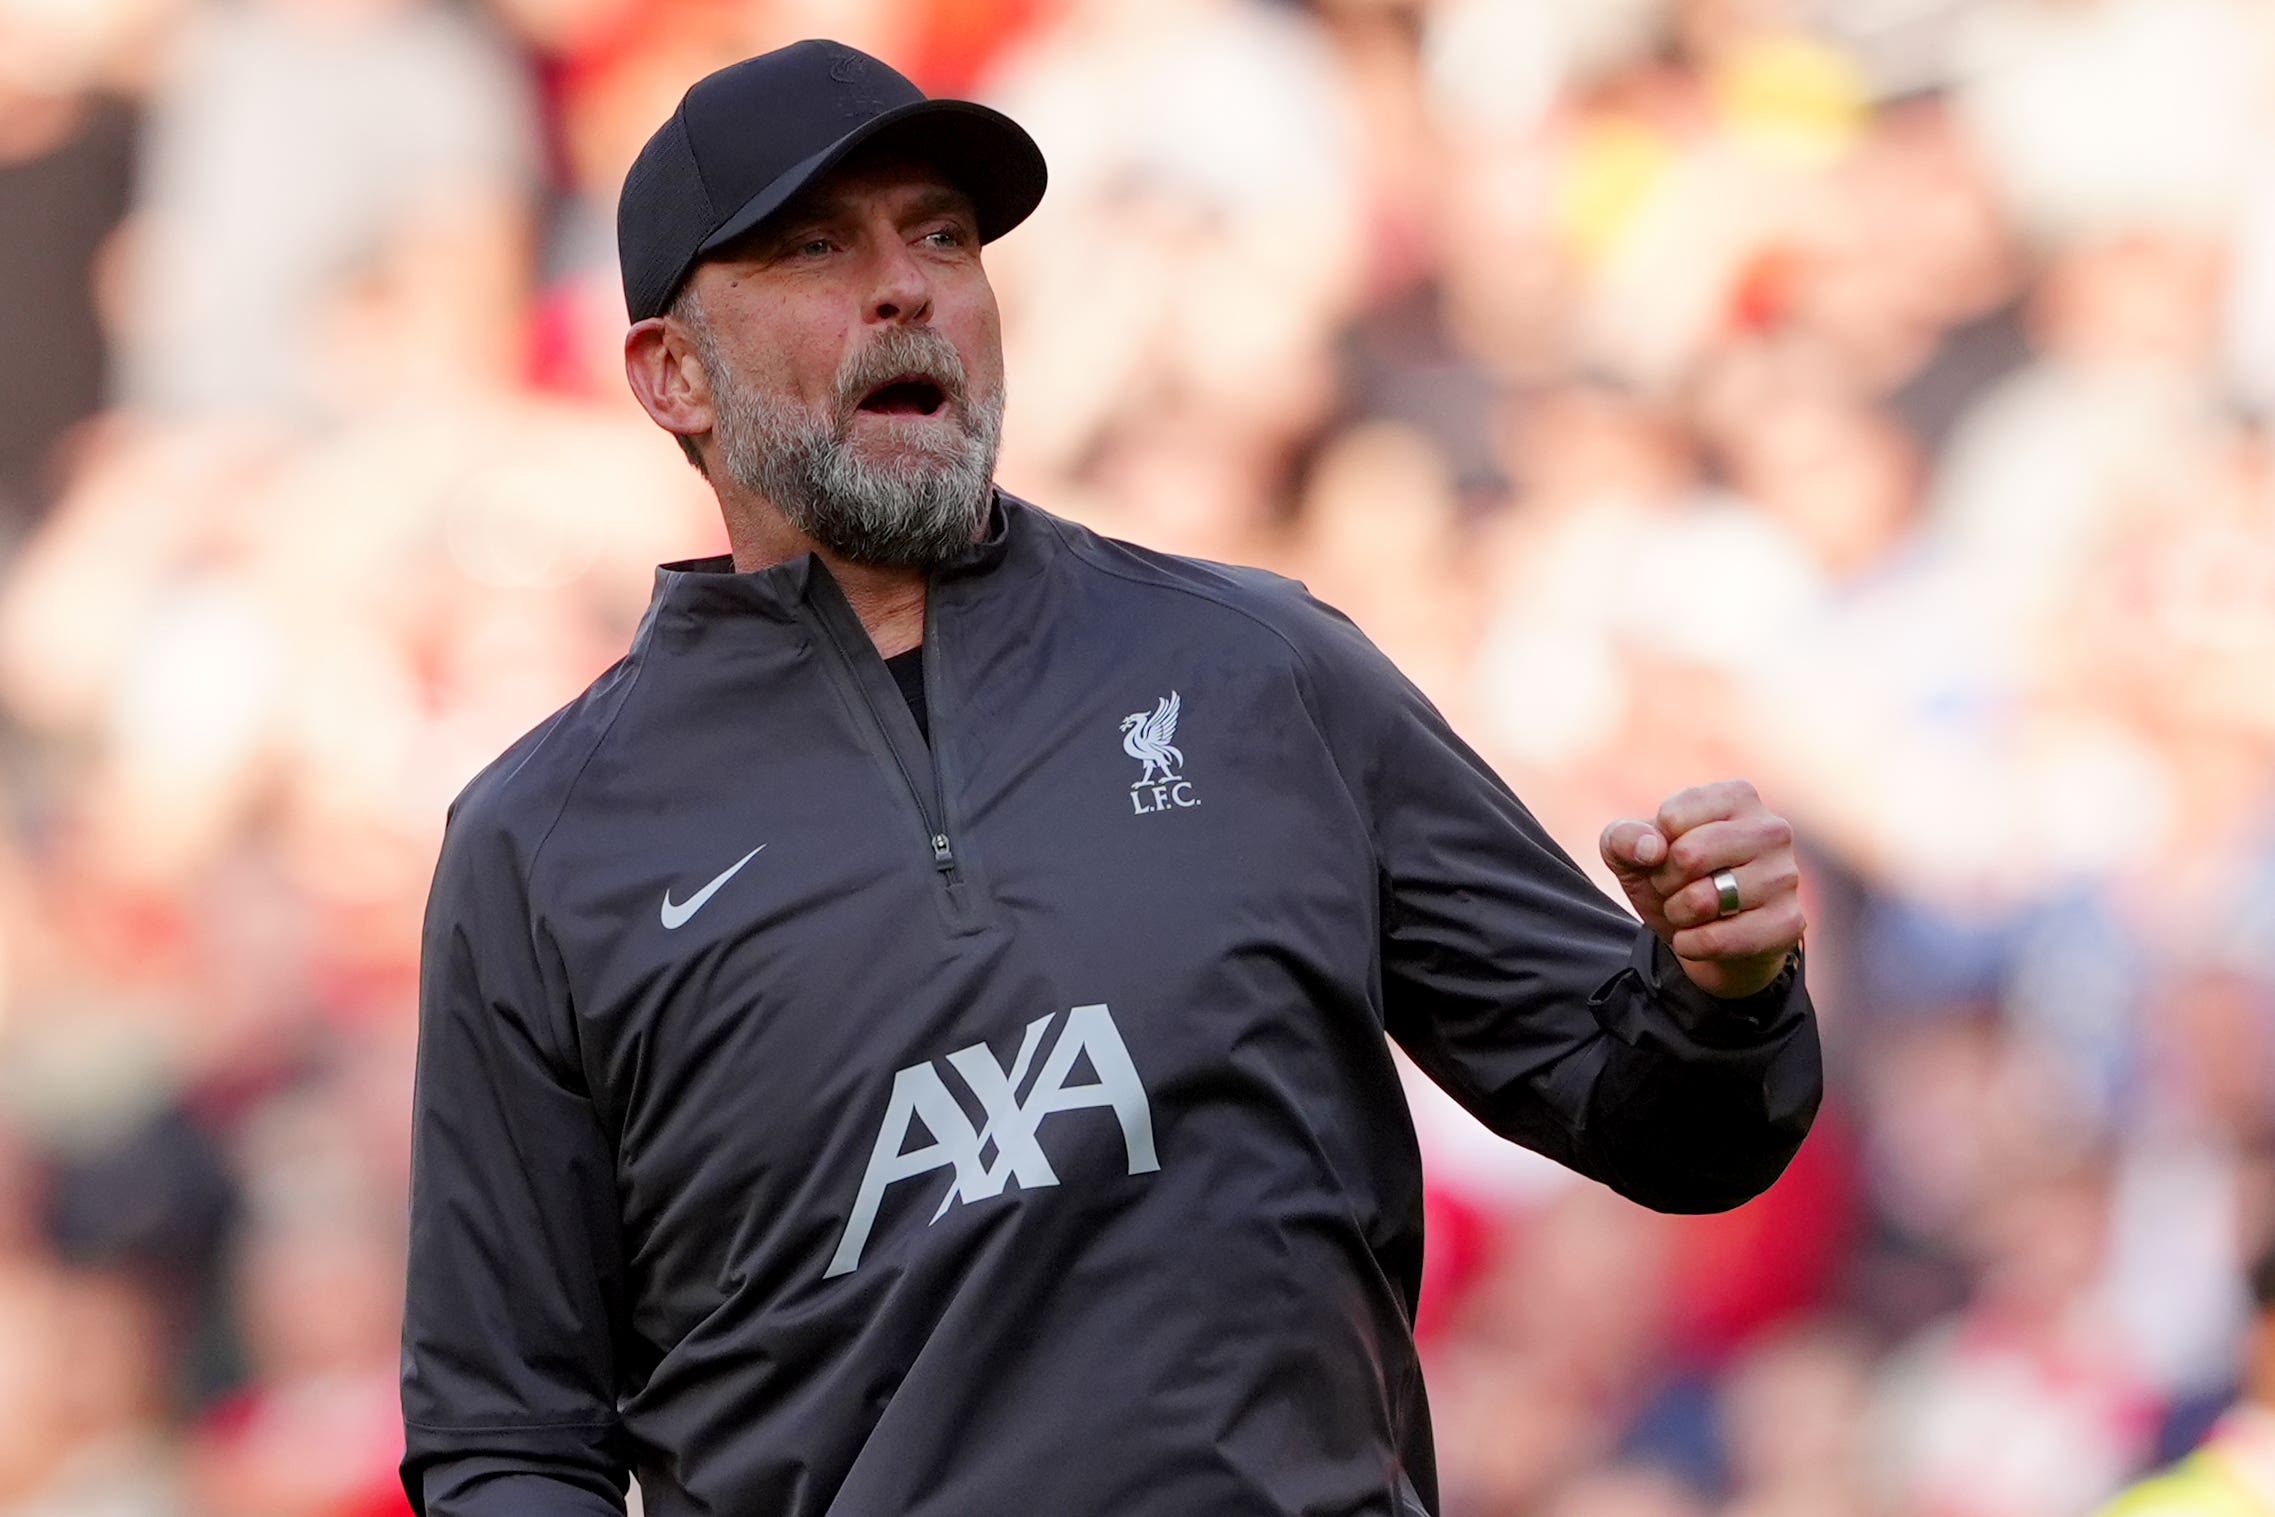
704	588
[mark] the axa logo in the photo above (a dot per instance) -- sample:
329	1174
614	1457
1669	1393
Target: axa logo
1011	1122
1148	738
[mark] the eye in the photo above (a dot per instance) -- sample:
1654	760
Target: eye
947	237
812	247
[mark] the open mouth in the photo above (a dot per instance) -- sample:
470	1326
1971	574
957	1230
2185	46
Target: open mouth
905	395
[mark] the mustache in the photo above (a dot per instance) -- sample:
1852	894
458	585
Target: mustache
901	353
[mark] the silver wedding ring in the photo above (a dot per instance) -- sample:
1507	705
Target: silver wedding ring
1726	886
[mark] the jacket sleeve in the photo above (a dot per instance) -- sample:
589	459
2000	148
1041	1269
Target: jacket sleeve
514	1280
1551	1013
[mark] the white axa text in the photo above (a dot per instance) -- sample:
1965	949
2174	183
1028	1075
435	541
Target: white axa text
1010	1123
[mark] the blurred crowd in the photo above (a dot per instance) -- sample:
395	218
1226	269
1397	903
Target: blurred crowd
1871	397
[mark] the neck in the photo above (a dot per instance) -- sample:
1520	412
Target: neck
889	600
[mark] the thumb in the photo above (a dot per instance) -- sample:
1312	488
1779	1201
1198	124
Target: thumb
1631	847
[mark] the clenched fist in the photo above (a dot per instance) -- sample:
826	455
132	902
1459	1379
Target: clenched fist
1667	866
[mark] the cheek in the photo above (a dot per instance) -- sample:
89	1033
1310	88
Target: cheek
791	349
978	335
804	361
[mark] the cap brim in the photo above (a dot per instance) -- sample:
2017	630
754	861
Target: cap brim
983	152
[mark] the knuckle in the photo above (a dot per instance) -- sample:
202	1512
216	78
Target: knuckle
1777	830
1685	856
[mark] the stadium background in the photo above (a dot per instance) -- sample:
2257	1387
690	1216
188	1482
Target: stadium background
1868	397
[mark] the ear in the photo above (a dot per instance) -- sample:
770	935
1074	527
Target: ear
666	376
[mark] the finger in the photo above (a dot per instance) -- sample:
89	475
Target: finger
1760	882
1722	845
1631	847
1701	804
1766	929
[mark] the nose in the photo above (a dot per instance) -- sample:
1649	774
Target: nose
902	291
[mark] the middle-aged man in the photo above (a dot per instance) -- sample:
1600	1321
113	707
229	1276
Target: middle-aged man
913	1039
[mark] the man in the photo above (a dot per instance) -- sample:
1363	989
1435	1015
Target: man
2233	1473
913	1038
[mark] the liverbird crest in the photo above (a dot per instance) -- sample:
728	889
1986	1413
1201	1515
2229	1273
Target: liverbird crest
1146	738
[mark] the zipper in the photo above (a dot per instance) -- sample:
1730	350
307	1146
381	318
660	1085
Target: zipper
943	856
850	641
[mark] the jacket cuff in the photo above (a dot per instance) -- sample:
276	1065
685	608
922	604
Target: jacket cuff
1709	1020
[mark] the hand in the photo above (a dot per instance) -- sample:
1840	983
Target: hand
1667	865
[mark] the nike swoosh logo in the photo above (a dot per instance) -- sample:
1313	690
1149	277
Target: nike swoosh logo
677	915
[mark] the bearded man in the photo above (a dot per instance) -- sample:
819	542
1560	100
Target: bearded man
914	1038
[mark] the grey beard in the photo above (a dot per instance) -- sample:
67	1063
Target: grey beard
911	513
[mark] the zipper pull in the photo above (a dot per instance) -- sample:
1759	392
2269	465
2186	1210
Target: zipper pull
942	858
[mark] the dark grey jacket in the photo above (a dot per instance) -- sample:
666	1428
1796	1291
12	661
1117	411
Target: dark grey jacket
809	1121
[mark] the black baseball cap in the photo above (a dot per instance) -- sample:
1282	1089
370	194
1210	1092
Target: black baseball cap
750	136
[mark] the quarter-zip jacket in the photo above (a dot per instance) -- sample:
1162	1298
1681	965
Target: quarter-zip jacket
813	1121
